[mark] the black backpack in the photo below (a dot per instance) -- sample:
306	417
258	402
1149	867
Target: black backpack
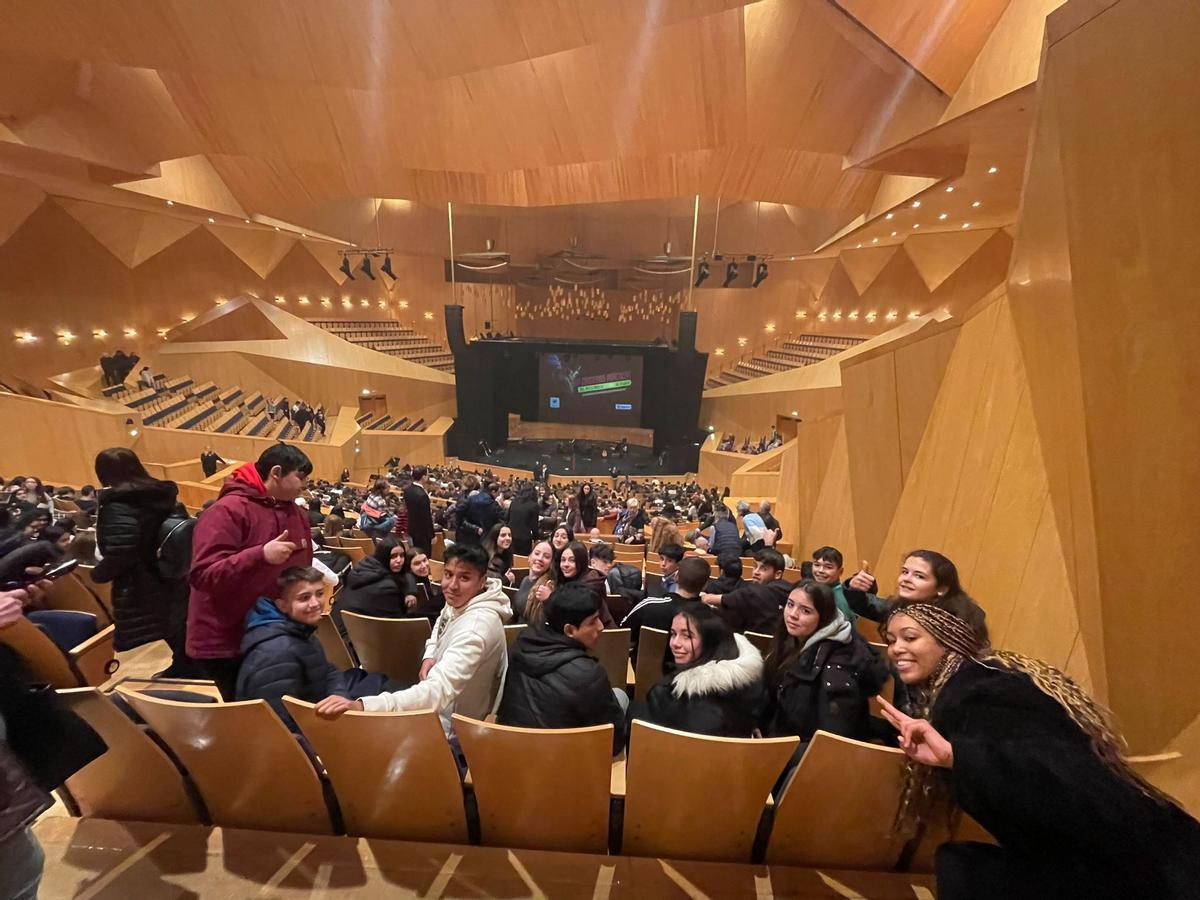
173	559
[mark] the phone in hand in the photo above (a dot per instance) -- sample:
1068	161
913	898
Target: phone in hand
58	571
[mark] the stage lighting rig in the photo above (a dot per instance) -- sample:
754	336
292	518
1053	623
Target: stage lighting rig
731	273
345	267
701	272
760	274
386	268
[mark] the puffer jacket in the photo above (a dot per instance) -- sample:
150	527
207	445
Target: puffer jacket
283	656
553	683
827	688
146	608
228	569
470	659
723	698
372	590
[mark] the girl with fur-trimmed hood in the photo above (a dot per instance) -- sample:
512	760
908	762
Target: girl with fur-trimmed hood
717	685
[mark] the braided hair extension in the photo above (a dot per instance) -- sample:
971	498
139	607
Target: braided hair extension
920	794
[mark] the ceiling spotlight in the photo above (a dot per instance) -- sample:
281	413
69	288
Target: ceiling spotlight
993	170
170	203
943	216
247	221
916	204
386	268
731	273
760	274
212	221
344	268
976	204
893	234
365	268
890	216
966	224
916	224
949	189
701	272
874	240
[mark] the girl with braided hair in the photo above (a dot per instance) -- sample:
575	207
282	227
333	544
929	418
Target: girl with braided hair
1037	762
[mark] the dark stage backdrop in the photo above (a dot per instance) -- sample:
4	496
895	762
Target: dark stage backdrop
496	377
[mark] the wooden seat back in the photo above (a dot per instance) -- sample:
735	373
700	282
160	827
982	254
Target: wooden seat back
103	591
332	643
249	769
612	649
652	644
436	568
70	592
135	780
676	816
353	552
856	786
761	641
393	773
394	647
540	789
511	633
90	663
520	562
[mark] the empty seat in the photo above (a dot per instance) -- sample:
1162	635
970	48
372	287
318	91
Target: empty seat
248	767
393	773
853	829
88	663
689	796
70	592
394	647
135	779
540	789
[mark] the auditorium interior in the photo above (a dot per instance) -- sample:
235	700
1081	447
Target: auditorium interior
906	273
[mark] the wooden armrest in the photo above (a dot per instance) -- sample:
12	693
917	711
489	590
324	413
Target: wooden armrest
92	659
617	778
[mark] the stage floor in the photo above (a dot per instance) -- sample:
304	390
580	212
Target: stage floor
588	459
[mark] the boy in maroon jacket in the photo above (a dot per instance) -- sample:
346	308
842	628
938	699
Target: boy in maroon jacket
241	543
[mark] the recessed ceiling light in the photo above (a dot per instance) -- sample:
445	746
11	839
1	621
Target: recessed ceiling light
993	170
966	224
874	240
212	221
170	203
889	215
303	235
944	216
949	189
976	204
859	247
916	224
247	221
893	234
916	204
276	227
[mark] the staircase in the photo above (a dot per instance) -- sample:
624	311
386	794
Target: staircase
392	338
793	352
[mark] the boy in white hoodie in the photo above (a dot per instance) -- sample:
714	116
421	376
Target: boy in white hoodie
466	656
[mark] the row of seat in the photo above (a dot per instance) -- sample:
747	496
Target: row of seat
393	775
802	350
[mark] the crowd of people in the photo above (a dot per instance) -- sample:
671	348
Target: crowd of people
1005	738
728	443
115	367
298	413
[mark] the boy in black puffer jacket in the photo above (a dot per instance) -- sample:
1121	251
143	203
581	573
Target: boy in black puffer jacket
282	655
552	680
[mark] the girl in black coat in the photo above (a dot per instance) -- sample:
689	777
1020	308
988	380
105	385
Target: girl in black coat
820	672
716	688
523	519
1018	746
416	575
374	586
133	507
586	500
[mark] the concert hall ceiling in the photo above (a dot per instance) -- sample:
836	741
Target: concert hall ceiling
308	116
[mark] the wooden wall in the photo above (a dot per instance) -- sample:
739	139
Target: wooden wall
55	441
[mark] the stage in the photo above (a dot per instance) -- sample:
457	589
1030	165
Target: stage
588	459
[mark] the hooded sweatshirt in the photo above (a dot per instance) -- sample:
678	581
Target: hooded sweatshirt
471	659
229	571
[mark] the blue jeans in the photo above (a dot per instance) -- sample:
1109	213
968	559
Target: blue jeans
21	860
378	527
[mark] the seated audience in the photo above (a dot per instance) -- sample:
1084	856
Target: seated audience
820	672
281	652
663	532
422	597
465	656
755	607
730	578
498	546
536	587
1019	747
376	518
553	681
560	537
601	560
374	586
658	612
827	570
86	499
725	540
717	685
669	557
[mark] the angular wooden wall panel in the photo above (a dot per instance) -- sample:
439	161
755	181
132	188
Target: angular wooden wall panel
816	439
920	368
936	256
131	235
260	250
863	266
17	200
192	181
832	520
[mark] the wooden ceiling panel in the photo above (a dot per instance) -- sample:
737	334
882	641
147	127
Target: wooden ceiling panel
17	200
260	250
941	38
